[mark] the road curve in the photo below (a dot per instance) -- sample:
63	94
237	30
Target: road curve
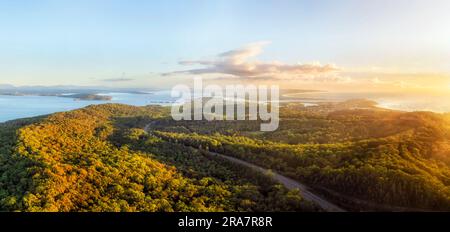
287	182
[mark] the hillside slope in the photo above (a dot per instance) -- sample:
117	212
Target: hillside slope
387	160
100	159
73	162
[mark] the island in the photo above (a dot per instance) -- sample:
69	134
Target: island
88	97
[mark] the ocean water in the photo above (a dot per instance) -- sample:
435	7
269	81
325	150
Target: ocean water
14	107
435	102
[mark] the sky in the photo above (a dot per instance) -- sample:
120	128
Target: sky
342	45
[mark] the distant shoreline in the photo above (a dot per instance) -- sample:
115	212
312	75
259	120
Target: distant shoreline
16	106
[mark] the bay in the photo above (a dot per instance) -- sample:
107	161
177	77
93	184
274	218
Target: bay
14	107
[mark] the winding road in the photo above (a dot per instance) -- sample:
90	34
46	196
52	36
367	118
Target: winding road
287	182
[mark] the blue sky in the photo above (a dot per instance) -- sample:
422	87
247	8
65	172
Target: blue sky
90	42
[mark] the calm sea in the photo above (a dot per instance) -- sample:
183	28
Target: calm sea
439	103
14	107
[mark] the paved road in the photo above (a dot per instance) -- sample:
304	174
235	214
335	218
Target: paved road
287	182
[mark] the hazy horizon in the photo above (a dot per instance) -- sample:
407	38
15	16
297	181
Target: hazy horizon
326	45
224	106
395	53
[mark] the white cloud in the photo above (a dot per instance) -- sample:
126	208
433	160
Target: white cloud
239	63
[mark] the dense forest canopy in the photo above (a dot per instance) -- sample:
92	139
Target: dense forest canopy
100	158
348	151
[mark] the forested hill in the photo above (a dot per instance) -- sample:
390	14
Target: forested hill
88	160
100	159
365	158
